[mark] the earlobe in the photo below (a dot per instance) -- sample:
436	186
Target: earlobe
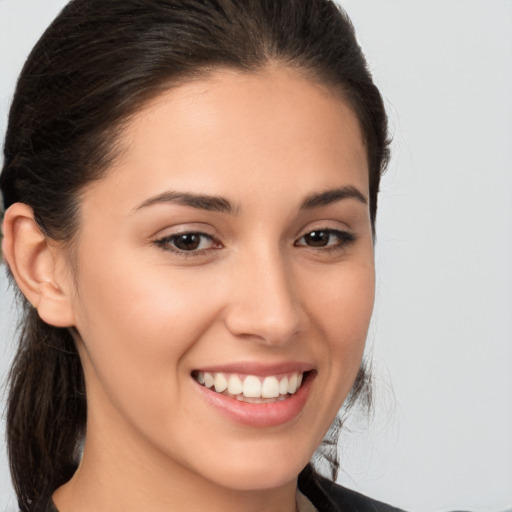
36	265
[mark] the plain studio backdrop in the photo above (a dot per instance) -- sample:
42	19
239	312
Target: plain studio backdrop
441	338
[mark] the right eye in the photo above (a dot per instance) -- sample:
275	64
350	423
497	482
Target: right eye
188	244
327	239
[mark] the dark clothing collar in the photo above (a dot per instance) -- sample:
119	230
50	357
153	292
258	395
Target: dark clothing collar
327	496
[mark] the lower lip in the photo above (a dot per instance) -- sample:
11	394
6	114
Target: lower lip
259	415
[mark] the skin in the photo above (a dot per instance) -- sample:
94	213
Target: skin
147	316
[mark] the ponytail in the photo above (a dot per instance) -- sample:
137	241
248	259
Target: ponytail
46	411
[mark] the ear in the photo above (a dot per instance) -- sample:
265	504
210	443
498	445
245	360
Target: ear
38	265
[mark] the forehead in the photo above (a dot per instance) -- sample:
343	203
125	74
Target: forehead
245	131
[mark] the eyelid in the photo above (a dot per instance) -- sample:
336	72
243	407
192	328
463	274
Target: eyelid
345	238
165	242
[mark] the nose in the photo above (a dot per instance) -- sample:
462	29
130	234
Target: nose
264	302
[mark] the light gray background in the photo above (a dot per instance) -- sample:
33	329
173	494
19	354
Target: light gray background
442	331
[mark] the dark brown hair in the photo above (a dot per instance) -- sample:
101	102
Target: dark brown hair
95	66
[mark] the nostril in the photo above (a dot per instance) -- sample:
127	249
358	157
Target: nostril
270	327
264	305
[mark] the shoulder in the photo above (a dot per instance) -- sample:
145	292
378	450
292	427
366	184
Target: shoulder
327	496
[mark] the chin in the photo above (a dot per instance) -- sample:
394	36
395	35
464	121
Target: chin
257	473
260	480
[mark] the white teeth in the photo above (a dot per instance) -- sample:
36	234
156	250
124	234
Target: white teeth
208	380
283	386
292	384
255	389
252	387
270	388
221	383
235	386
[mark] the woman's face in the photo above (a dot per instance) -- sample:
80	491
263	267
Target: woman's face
229	245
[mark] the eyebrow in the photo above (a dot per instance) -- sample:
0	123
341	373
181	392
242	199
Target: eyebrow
199	201
223	205
332	196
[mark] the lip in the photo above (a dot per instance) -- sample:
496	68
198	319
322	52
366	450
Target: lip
258	415
259	369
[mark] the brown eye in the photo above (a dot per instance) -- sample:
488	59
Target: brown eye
326	238
317	238
188	243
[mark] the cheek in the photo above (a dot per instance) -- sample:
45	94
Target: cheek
139	302
343	303
342	309
138	325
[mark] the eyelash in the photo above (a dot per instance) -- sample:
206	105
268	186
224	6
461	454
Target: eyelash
166	242
344	239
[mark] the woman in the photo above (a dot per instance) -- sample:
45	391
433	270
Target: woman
190	191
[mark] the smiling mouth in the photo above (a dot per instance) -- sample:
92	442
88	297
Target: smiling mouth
251	388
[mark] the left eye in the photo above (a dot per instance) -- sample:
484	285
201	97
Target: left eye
187	242
329	238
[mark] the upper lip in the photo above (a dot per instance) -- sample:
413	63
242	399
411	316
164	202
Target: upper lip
259	369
